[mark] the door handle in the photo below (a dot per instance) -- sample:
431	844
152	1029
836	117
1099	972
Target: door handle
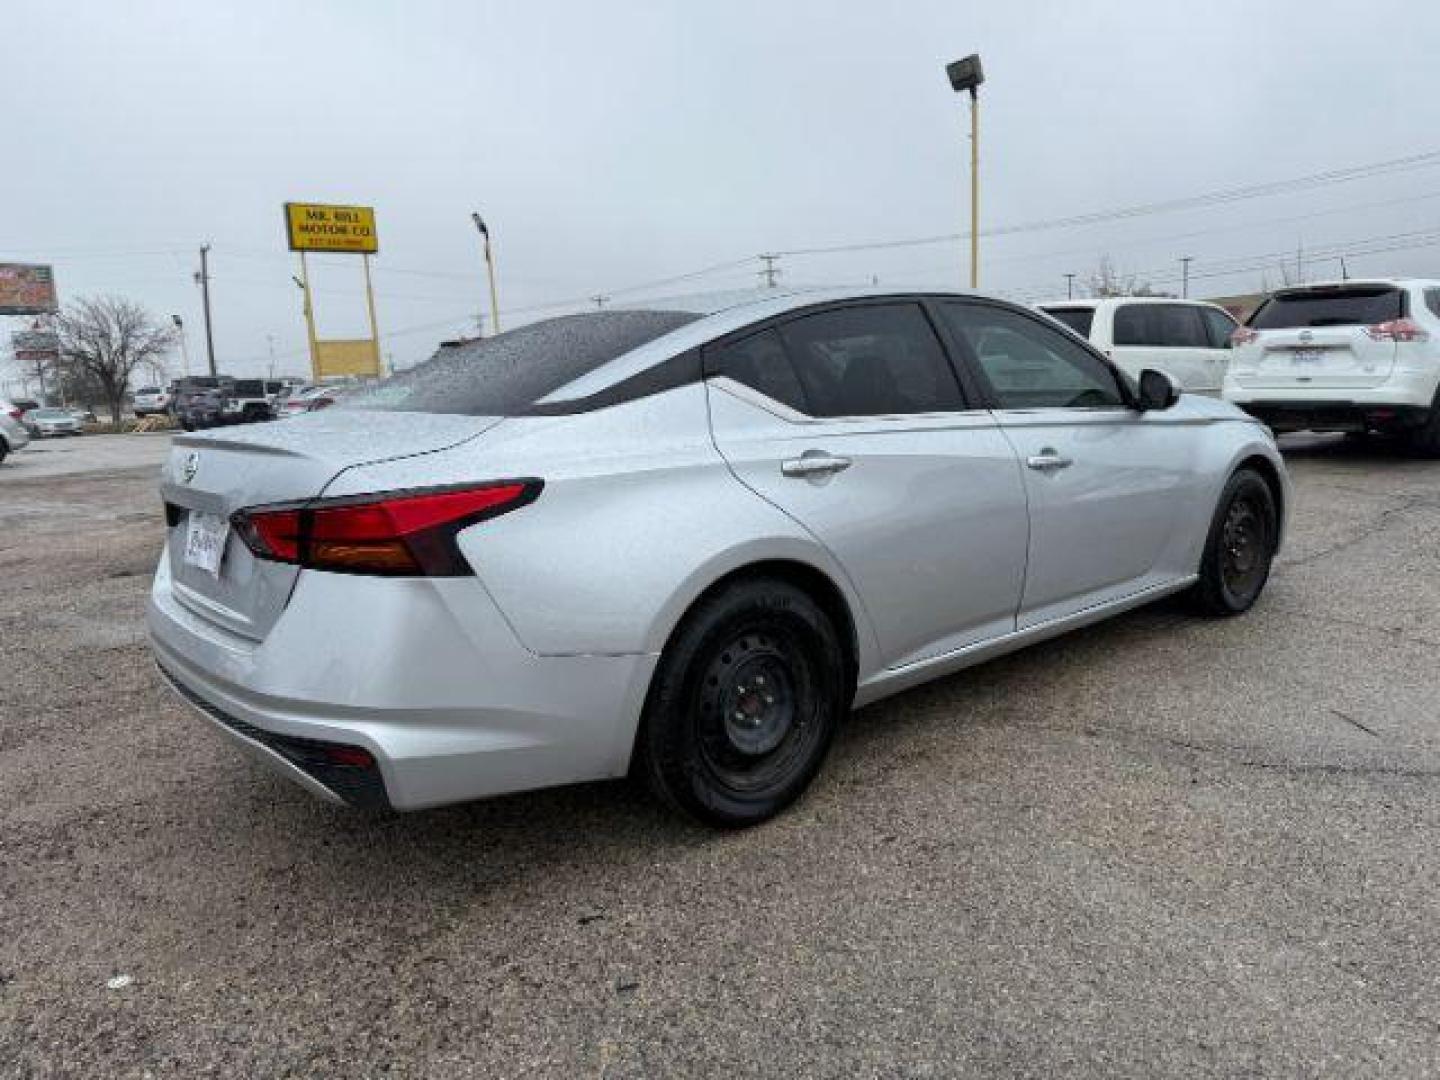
1048	459
814	463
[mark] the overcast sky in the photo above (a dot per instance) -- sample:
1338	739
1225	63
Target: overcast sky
612	144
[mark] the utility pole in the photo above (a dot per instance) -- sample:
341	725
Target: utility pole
270	341
203	277
1185	261
1069	286
1344	273
600	300
769	272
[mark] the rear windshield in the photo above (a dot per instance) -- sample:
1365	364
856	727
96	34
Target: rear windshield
1076	318
148	390
1362	306
506	374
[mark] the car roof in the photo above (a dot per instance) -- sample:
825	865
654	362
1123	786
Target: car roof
722	313
1092	302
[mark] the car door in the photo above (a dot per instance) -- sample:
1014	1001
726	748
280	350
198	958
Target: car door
851	420
1169	338
1106	483
1218	327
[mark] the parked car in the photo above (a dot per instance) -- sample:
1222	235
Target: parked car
1354	356
53	421
684	542
248	400
308	399
151	401
13	435
1186	339
200	399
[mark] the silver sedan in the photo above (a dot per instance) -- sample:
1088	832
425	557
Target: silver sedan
684	543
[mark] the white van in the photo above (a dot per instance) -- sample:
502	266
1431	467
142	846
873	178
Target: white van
1186	339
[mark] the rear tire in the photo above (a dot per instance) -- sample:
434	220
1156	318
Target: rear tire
744	705
4	450
1424	441
1239	547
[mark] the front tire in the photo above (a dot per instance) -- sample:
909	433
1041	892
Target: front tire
1239	548
744	705
1424	441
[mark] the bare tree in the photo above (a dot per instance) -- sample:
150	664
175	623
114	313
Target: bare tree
103	339
1108	281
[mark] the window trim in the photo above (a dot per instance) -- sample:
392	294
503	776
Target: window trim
991	398
971	397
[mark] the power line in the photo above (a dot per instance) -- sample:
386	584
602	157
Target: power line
1427	159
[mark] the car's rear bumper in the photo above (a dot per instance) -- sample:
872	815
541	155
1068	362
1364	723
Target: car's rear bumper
1336	415
424	675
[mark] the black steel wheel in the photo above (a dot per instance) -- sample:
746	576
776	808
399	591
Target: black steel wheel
1240	546
744	705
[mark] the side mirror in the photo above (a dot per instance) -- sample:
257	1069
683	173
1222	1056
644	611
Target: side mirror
1157	391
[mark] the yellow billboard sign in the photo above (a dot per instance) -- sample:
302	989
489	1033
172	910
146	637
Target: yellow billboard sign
318	227
341	357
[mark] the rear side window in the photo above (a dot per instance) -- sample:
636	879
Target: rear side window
506	374
871	360
1432	301
1160	326
1077	319
759	362
1219	326
1356	306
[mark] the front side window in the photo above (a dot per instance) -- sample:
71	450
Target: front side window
871	360
1160	326
1030	365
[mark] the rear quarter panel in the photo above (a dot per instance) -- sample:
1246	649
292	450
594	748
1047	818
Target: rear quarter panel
639	515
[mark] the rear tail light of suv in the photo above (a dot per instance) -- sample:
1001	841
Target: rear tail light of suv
1242	335
391	534
1398	330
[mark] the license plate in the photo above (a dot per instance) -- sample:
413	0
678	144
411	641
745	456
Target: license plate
205	536
1307	356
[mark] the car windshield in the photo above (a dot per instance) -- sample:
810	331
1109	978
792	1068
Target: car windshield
148	390
1355	306
1076	318
506	374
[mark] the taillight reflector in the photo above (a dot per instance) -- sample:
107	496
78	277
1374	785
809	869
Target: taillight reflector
398	533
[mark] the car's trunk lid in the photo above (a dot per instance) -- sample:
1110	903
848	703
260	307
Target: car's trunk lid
219	473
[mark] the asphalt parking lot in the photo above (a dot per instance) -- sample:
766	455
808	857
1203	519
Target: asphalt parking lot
1164	846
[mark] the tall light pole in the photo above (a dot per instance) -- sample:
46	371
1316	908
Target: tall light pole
1185	261
184	344
1069	286
966	75
484	232
203	277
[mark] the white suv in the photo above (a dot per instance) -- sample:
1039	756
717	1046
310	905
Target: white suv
1186	339
1356	356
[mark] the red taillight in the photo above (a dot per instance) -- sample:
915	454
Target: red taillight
401	533
320	403
1242	335
1398	330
